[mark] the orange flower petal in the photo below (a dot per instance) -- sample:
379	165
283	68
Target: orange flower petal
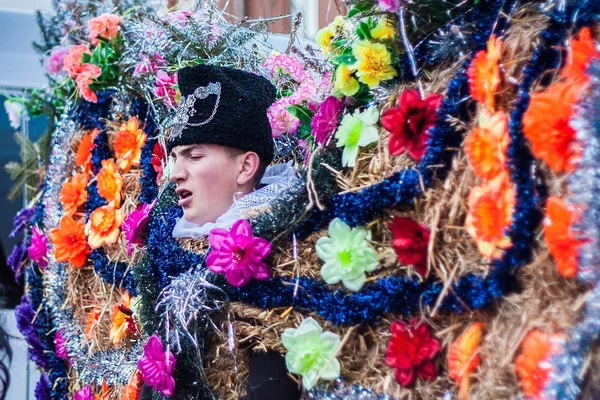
83	155
463	358
110	182
537	347
120	322
486	145
484	73
70	242
91	322
128	144
103	226
582	50
73	194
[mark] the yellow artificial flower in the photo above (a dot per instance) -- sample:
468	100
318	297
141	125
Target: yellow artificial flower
345	82
372	63
324	37
385	29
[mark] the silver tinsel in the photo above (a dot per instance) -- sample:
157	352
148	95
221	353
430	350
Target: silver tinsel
584	184
342	392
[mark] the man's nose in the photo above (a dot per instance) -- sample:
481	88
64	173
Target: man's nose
177	172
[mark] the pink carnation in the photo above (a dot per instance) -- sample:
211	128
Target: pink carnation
157	367
55	62
281	120
278	64
72	61
389	5
166	88
38	249
238	254
135	224
87	72
105	26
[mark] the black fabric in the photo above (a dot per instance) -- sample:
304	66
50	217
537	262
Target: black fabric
241	117
269	380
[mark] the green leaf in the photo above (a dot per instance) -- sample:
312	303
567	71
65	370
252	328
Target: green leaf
301	112
361	7
347	60
305	131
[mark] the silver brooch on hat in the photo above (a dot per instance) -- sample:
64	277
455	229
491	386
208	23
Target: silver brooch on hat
186	109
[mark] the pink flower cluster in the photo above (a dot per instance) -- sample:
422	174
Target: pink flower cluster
38	249
282	122
157	367
166	88
278	64
238	254
105	26
83	73
55	62
389	5
149	64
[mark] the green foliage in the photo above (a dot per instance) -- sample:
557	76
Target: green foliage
29	171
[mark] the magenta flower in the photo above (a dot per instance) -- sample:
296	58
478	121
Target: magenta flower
282	122
238	254
157	367
135	224
61	345
38	249
54	63
85	393
149	64
389	5
325	121
280	63
166	88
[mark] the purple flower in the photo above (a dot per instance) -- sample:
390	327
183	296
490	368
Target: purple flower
21	220
24	315
166	88
149	64
238	254
15	260
85	393
42	389
61	345
38	249
135	224
157	367
54	63
389	5
325	121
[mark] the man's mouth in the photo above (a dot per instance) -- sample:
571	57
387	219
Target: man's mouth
185	197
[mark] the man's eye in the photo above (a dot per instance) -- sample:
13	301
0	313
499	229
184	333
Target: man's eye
195	157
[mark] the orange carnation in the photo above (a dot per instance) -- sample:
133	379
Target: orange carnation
463	358
581	53
73	193
105	26
486	145
546	125
110	182
104	394
91	322
484	73
490	214
537	347
121	320
104	226
131	391
128	144
69	241
83	156
562	242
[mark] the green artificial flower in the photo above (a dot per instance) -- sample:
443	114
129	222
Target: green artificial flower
347	255
357	130
311	352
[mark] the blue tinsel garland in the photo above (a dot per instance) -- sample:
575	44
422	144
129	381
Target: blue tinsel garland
148	178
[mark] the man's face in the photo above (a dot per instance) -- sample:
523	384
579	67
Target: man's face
206	178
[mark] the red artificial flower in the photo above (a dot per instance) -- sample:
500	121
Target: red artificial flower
158	160
410	241
411	351
409	122
581	53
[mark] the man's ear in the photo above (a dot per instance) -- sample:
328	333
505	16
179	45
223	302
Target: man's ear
249	163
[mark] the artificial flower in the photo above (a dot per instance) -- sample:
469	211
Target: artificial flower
157	367
104	392
158	160
237	254
15	260
166	88
463	358
87	73
180	17
21	220
135	224
409	123
42	389
324	37
357	130
121	320
149	64
325	121
128	144
347	255
85	393
281	120
55	62
562	241
61	345
490	215
486	145
279	64
110	182
530	365
389	5
17	112
72	61
410	240
384	29
345	82
132	390
104	226
311	352
83	155
25	316
91	321
582	50
70	242
104	26
411	351
484	73
310	91
74	193
373	63
38	247
546	124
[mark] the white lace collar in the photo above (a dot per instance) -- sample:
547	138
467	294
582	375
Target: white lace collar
277	179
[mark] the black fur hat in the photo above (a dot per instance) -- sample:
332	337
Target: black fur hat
225	106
